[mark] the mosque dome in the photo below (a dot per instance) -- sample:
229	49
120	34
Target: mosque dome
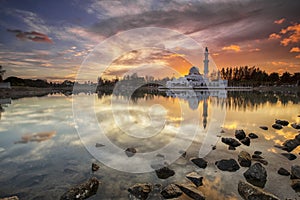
194	70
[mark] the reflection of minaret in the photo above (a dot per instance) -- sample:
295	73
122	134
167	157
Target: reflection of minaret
206	62
204	115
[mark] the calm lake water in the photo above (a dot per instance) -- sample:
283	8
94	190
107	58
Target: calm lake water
45	150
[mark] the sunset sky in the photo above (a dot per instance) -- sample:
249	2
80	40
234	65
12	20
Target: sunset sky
51	39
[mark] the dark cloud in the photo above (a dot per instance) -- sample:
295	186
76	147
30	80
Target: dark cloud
33	36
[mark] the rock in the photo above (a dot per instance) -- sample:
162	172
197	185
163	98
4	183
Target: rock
244	159
296	185
277	126
283	172
171	191
140	190
95	167
10	198
252	136
246	141
257	156
296	126
195	178
214	147
281	122
289	156
295	172
164	173
240	134
228	165
231	148
262	161
256	175
290	145
257	152
183	153
200	162
192	192
231	142
250	192
130	151
99	145
264	128
82	191
222	131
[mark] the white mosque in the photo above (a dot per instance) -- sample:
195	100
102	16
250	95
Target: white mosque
195	80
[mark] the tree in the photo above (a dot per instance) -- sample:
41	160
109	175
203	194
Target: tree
285	77
274	77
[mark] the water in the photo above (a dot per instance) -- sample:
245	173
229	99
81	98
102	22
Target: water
44	150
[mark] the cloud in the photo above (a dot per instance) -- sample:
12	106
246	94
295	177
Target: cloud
295	49
293	34
33	36
279	21
232	47
274	36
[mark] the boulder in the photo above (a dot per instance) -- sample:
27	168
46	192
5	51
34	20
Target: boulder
130	151
200	162
191	191
244	159
257	152
195	178
290	145
282	122
289	156
231	148
164	172
250	192
296	126
231	142
283	172
227	165
264	128
171	191
95	167
240	134
252	136
140	190
98	145
82	191
295	172
277	126
296	185
246	141
256	175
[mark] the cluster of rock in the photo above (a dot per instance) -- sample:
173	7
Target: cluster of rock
241	137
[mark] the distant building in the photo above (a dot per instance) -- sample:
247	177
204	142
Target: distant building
194	79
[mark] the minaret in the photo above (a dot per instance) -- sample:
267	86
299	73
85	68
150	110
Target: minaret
204	114
206	62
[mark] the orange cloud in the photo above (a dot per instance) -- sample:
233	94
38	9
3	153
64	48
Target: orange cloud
293	32
254	50
232	47
279	21
295	49
274	36
33	36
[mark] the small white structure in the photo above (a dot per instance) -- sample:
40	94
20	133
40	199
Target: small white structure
196	80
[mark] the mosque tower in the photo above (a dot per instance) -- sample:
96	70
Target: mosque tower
205	114
205	61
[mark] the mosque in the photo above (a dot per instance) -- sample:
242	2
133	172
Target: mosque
195	80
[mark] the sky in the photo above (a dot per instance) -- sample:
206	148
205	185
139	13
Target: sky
56	40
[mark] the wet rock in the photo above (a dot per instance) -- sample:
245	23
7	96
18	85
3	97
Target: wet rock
257	152
183	153
282	122
296	185
99	145
289	156
231	148
256	175
290	145
214	147
250	192
246	141
296	126
171	191
130	151
200	162
295	172
231	142
227	165
264	128
257	156
191	191
82	191
164	172
283	172
252	136
262	161
10	198
277	126
140	190
222	131
160	155
195	178
240	134
95	167
244	159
